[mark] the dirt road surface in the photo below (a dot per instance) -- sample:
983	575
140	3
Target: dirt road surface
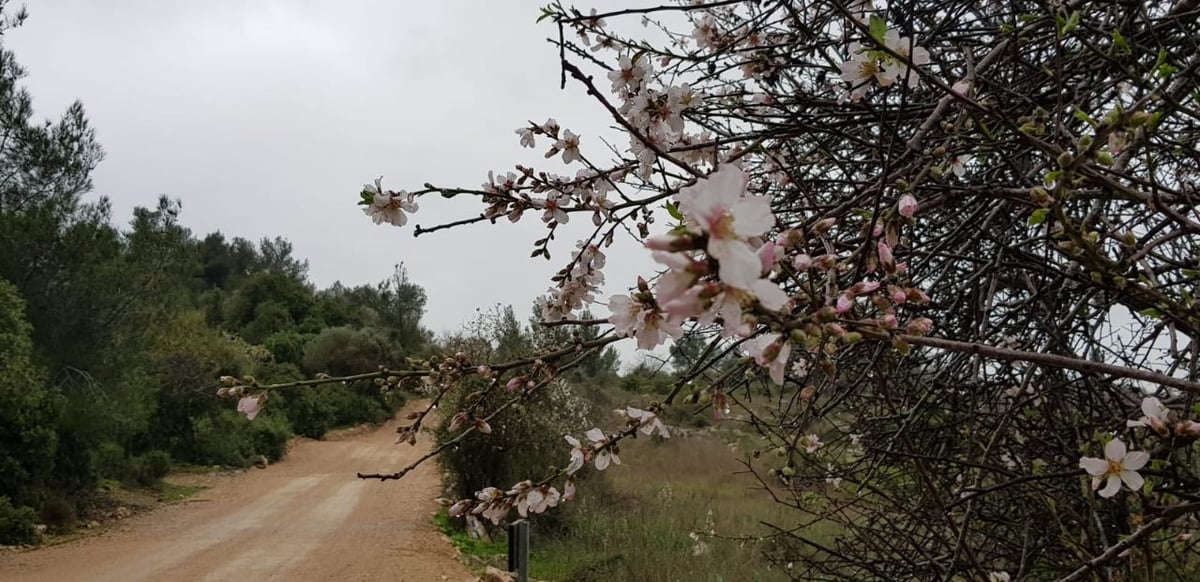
306	518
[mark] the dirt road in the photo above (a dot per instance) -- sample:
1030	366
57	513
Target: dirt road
306	518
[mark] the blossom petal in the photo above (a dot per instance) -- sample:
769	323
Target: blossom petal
1095	467
1115	450
752	216
1111	486
740	266
1132	480
1135	460
769	294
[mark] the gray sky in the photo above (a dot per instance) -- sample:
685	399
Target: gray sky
266	116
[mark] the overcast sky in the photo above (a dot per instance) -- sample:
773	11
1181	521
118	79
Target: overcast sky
265	117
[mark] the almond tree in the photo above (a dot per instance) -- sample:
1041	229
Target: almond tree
962	238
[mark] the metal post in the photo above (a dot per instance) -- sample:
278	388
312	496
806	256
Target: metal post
518	549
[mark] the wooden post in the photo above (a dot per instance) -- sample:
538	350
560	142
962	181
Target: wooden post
518	549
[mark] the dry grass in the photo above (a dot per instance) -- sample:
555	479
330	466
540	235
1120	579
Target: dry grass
641	527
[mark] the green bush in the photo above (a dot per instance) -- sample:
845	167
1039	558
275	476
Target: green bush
223	437
525	443
145	470
58	513
148	469
342	350
271	434
310	414
111	462
17	524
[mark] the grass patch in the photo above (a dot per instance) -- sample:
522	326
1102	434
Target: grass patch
485	549
168	492
642	527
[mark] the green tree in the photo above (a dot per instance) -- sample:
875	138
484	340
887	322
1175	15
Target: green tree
28	411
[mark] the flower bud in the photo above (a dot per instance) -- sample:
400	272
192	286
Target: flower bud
1187	428
822	226
1139	118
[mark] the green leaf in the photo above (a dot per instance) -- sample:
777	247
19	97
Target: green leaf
878	28
1038	216
1071	23
1151	312
673	211
1119	43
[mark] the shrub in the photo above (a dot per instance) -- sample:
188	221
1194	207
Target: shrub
17	524
59	513
271	434
342	350
310	414
150	468
111	462
525	442
223	438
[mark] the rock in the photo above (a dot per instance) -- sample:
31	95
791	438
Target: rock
93	524
261	462
493	574
122	513
41	528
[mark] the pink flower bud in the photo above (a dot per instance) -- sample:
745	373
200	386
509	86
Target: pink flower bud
844	303
897	294
835	329
886	260
917	296
826	262
515	383
908	206
822	226
1187	428
888	321
484	371
920	326
802	262
665	242
768	255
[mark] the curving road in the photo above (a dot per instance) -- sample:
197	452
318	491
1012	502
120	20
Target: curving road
306	518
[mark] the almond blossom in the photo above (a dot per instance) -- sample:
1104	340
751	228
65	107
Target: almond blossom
604	454
862	69
631	317
388	207
577	456
770	353
718	206
909	55
1154	416
526	137
1118	466
628	75
648	421
251	405
569	145
958	165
